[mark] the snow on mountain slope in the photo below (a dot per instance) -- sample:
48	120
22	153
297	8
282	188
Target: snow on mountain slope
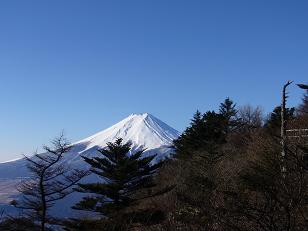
142	130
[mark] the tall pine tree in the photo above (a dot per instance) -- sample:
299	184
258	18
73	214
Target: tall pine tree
191	137
123	176
205	132
274	121
228	110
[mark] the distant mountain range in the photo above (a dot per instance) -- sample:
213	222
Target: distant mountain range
144	131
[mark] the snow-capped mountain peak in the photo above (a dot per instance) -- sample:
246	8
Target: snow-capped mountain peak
142	130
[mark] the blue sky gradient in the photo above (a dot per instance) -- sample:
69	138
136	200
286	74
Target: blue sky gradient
81	66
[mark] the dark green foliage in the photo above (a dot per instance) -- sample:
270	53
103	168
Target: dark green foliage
274	121
220	182
224	183
207	131
204	133
123	176
228	111
192	136
199	152
303	108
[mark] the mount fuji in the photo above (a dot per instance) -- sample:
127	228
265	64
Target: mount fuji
144	131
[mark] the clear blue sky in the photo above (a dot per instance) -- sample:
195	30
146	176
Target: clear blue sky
81	66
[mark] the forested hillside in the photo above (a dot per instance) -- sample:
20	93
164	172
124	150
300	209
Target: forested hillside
231	170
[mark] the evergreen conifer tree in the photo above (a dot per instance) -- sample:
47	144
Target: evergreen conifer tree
274	121
303	108
228	110
197	119
204	133
123	176
191	137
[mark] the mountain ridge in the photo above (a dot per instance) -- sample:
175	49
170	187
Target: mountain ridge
165	133
144	131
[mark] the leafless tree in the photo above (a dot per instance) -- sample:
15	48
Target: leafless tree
250	117
51	180
266	199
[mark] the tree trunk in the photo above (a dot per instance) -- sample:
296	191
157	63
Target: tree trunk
283	129
43	216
